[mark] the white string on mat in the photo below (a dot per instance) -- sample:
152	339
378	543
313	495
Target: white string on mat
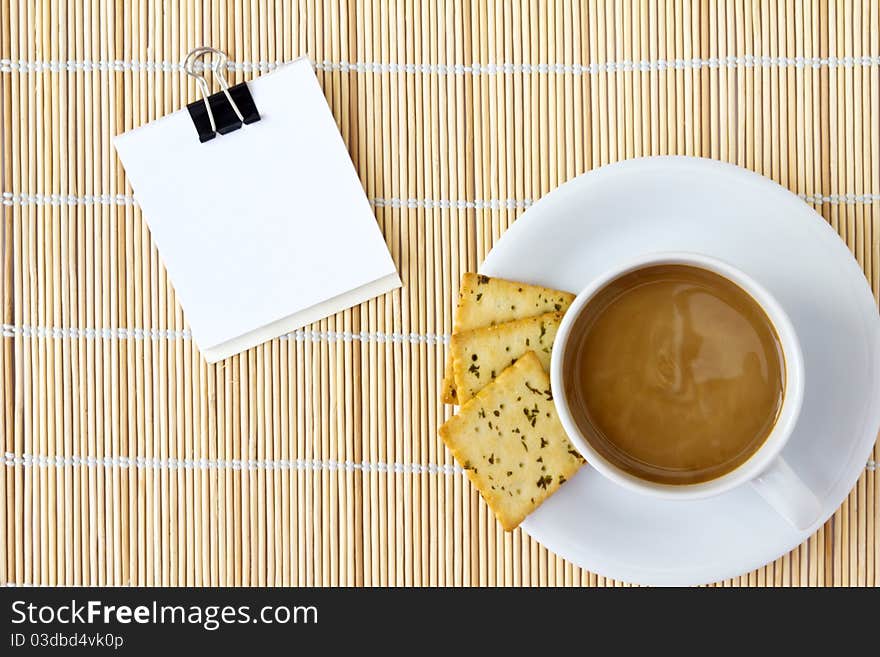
58	333
840	199
10	199
26	585
644	65
444	204
140	462
475	68
302	335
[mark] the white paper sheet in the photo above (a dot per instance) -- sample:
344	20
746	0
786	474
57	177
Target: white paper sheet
262	230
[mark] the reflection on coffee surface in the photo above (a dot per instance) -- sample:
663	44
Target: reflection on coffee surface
675	374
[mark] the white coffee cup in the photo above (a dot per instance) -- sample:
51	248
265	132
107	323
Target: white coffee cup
765	470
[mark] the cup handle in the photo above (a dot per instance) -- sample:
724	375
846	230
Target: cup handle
782	489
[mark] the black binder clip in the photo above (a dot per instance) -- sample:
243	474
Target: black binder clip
224	111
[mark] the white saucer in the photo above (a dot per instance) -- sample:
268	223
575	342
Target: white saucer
687	204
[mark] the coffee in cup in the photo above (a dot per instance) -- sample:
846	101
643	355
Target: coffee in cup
674	373
679	376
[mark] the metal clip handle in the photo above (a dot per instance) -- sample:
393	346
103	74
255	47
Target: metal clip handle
194	67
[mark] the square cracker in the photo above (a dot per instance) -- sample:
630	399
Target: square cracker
479	356
486	301
511	444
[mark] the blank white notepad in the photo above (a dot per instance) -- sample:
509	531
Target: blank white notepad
264	229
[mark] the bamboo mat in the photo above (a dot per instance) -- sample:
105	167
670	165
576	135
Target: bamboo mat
313	460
